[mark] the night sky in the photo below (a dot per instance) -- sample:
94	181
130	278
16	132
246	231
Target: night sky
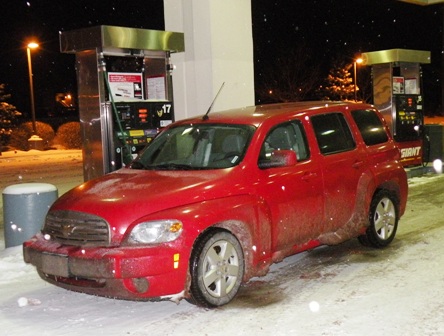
330	29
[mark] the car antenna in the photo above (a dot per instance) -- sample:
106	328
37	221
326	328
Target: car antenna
205	117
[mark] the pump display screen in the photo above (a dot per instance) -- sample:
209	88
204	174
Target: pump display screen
141	121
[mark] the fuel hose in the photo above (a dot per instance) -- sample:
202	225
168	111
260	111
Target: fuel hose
126	148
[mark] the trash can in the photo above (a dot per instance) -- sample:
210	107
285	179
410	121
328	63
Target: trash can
24	210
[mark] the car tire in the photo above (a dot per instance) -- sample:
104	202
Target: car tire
383	218
217	269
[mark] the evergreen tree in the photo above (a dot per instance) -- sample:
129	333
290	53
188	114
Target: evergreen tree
340	84
8	117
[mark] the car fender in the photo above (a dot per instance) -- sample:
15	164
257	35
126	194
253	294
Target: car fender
247	217
395	181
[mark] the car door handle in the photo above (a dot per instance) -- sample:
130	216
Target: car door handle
308	176
357	164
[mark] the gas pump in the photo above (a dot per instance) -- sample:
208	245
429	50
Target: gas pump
397	86
124	83
135	124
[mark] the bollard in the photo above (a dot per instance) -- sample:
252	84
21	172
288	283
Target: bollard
36	142
24	210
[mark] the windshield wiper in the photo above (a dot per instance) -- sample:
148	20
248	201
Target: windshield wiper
137	165
170	166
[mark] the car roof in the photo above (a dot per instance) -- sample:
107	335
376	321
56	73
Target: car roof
255	115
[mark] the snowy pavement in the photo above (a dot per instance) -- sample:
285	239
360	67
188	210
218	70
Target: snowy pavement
339	290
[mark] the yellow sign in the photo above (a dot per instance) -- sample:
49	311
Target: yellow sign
135	133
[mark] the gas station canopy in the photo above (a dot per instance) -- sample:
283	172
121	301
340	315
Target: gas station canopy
396	55
423	2
110	37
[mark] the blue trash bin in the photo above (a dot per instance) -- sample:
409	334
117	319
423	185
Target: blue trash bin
24	210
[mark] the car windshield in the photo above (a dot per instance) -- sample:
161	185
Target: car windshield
196	146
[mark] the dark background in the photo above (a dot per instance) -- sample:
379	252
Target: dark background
328	29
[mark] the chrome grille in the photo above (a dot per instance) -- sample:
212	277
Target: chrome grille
77	228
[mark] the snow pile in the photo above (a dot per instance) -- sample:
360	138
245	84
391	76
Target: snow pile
429	178
23	302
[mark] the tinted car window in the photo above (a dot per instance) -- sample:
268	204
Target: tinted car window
370	126
332	133
290	136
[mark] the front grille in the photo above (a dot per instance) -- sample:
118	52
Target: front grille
77	228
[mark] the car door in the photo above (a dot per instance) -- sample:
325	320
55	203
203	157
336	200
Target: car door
293	193
342	163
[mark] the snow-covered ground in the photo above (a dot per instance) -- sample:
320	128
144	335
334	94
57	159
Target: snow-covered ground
339	290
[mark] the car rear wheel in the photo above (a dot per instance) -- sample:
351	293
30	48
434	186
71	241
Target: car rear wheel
217	269
383	218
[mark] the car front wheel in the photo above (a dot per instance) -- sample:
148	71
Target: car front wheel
217	269
383	218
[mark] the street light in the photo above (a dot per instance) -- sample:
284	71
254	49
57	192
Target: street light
358	61
30	46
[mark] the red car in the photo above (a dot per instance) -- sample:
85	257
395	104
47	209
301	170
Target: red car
213	201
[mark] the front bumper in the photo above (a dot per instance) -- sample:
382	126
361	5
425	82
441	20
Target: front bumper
135	273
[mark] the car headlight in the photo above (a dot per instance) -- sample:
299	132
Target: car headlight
154	232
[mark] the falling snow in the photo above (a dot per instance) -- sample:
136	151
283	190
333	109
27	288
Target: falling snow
365	25
341	290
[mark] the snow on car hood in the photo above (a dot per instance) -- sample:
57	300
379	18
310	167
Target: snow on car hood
130	194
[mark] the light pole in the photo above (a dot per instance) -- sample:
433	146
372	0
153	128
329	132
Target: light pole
30	46
358	61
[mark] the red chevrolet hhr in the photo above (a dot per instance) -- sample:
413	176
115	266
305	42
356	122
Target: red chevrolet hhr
213	201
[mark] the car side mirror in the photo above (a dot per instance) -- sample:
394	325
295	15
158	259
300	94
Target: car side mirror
279	158
283	158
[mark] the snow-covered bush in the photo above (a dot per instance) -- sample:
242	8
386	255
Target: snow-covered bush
20	135
68	135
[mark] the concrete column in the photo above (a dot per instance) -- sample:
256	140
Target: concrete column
218	49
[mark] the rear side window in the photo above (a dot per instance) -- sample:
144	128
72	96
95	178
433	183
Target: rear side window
332	133
370	126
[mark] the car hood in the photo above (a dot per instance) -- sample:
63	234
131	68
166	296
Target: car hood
129	194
